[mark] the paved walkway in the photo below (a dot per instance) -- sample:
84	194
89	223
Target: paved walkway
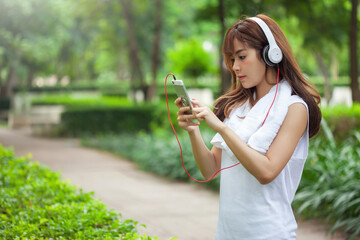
167	208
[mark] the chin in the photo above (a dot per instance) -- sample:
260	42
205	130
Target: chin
246	85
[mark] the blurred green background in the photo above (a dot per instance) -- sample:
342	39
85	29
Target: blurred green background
95	69
127	45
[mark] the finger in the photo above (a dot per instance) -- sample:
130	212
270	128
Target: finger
185	117
196	102
178	102
199	109
201	116
190	123
182	110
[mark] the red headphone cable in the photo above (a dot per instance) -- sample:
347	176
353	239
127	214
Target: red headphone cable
172	126
182	160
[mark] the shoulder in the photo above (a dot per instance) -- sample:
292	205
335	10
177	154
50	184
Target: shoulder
298	107
296	99
296	119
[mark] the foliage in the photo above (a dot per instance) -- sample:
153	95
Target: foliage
68	100
100	114
96	119
189	58
342	120
4	103
329	187
36	204
25	28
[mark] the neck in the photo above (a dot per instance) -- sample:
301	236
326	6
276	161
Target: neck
269	81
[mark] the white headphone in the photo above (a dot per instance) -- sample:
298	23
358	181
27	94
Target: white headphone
272	54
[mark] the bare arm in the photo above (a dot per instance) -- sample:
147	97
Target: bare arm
208	161
266	168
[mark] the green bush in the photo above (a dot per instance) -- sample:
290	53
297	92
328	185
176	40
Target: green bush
4	103
342	120
82	119
36	204
71	101
94	120
189	58
330	183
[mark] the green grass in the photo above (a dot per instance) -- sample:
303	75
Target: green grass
69	100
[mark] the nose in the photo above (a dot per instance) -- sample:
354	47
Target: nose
236	66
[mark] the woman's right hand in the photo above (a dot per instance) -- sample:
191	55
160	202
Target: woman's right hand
184	119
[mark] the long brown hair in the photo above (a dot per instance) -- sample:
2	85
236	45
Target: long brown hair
251	35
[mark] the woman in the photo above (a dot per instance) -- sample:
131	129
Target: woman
267	137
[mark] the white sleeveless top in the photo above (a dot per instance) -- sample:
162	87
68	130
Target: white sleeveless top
252	211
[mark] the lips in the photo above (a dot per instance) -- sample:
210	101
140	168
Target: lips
241	78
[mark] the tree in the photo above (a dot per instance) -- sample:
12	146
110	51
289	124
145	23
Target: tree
135	64
156	51
322	25
28	43
354	71
225	73
189	58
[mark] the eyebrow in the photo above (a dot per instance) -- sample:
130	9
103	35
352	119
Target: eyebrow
239	51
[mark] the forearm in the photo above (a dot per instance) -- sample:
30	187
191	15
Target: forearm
204	158
256	163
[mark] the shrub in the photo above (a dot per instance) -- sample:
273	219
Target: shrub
342	120
329	187
77	121
71	101
80	120
36	204
4	103
189	58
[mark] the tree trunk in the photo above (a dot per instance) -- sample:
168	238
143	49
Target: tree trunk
156	53
325	72
1	81
7	89
135	65
354	71
225	74
30	77
334	66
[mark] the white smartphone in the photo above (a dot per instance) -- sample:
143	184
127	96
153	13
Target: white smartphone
183	94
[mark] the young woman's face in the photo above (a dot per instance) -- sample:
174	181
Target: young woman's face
248	68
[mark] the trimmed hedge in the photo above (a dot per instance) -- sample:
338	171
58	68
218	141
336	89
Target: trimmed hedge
115	114
93	120
342	120
36	204
4	103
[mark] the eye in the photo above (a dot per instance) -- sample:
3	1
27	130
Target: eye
232	60
242	57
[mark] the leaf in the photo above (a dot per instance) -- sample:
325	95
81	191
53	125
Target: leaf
328	134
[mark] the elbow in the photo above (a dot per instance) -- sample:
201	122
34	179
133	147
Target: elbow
266	178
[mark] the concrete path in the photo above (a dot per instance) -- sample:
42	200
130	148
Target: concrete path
168	209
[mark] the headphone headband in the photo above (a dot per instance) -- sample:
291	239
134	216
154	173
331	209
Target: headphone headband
274	53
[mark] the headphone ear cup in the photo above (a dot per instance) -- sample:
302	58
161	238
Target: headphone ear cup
265	54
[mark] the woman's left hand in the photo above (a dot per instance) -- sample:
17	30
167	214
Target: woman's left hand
204	113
